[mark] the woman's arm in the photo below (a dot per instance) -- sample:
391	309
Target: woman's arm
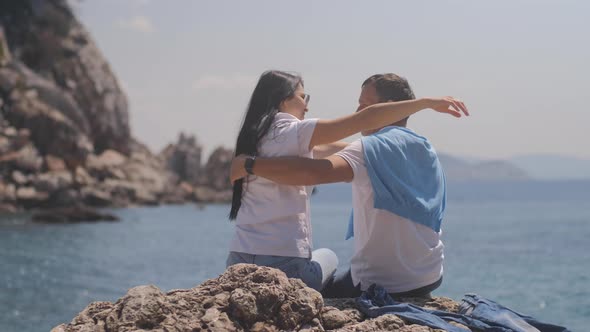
324	150
296	171
380	115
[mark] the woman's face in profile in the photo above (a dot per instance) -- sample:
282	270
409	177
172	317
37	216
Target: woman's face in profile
295	105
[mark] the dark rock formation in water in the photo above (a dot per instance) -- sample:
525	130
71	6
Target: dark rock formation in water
244	298
184	158
216	170
206	183
64	124
71	215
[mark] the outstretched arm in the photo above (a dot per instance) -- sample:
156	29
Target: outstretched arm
296	170
380	115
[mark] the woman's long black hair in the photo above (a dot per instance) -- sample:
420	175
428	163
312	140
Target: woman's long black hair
273	87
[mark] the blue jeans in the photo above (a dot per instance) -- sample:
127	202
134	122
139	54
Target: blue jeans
475	312
314	272
489	311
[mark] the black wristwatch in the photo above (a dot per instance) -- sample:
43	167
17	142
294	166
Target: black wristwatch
249	164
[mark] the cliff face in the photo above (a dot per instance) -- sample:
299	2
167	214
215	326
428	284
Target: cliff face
244	298
64	124
54	55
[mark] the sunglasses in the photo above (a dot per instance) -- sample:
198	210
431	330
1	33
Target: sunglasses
306	98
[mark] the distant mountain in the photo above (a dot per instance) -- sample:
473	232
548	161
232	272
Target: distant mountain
553	167
457	169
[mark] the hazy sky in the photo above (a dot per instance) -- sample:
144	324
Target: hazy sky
520	66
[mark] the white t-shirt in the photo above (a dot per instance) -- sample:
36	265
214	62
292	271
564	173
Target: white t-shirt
389	250
274	219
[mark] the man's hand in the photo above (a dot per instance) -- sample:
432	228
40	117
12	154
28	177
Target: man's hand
448	105
237	170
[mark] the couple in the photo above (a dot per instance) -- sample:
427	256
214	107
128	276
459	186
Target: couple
397	181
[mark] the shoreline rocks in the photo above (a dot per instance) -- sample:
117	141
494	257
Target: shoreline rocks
244	298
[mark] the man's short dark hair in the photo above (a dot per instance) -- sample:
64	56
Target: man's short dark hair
390	87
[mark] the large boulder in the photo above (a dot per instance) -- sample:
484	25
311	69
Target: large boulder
138	179
7	192
106	165
17	76
51	182
12	139
244	298
51	131
31	198
54	164
26	159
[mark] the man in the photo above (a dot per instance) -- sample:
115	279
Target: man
398	198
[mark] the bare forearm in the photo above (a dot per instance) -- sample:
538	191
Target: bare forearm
372	117
295	170
383	114
290	170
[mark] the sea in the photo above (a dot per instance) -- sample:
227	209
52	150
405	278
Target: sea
522	244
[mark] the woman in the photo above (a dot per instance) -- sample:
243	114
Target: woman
273	221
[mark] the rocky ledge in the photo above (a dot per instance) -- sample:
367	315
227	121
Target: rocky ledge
244	298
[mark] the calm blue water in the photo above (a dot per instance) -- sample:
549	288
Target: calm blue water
524	245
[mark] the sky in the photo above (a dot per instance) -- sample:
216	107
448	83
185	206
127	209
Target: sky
520	66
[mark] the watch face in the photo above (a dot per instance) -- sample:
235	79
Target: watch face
249	164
